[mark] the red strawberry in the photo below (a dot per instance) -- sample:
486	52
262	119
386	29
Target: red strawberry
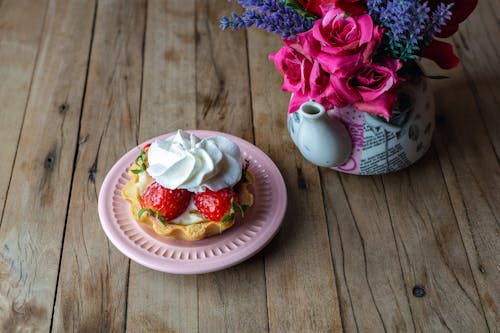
146	148
168	203
214	205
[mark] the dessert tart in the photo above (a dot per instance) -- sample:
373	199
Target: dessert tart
189	188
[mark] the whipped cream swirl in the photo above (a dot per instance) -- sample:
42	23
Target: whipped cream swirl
188	162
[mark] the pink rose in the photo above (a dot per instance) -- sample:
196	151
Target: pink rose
374	80
302	76
318	81
294	67
369	87
338	40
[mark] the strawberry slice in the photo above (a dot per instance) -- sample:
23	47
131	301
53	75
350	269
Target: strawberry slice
167	203
218	206
214	205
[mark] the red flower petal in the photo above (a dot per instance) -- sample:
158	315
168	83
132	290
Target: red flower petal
352	7
314	6
441	53
459	12
303	3
356	7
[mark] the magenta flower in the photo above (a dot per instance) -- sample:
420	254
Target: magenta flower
338	40
295	68
334	64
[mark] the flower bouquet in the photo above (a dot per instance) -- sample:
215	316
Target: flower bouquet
350	65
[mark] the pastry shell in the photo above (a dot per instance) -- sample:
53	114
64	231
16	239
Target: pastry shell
196	231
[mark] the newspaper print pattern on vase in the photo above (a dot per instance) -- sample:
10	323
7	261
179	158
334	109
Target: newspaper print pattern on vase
380	147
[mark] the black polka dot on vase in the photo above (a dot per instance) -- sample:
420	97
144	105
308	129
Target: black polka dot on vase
413	132
420	146
427	128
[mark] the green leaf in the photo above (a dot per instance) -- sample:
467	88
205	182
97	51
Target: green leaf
227	218
160	218
152	213
241	209
295	5
142	211
141	161
136	171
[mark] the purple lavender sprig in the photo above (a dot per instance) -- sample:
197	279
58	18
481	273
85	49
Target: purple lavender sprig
271	15
409	24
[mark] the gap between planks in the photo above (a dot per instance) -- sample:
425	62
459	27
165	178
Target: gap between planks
75	162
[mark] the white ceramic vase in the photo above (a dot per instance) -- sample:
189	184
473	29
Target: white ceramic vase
351	141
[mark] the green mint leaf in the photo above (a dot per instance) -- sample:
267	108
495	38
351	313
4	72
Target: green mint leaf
152	213
137	171
141	161
159	217
227	218
296	6
241	209
141	211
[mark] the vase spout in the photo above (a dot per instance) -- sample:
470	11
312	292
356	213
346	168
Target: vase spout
322	141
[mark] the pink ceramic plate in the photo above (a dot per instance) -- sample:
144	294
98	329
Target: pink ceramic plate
248	235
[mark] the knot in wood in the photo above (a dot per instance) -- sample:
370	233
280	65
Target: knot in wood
418	291
63	108
49	161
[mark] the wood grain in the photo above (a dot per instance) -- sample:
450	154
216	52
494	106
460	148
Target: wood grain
157	301
472	176
477	47
20	32
83	82
93	280
222	80
233	300
31	235
301	292
373	294
431	250
468	147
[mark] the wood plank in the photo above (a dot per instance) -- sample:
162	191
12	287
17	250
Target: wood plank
222	82
157	301
471	171
478	50
373	293
21	25
35	211
473	180
301	291
233	300
431	250
93	280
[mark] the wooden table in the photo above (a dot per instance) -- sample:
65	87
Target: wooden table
83	82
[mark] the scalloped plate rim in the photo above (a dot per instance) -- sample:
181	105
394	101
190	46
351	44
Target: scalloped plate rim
230	258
